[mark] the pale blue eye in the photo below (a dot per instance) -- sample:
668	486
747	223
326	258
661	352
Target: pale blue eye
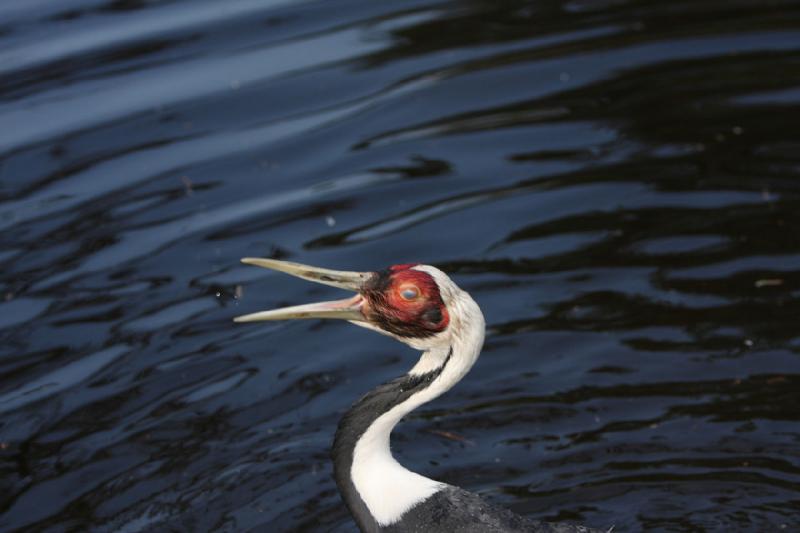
409	293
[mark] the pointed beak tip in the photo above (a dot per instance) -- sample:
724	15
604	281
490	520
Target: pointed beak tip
253	317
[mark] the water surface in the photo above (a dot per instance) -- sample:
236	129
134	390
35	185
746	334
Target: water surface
615	182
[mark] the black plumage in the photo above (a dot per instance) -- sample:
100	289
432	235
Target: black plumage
456	510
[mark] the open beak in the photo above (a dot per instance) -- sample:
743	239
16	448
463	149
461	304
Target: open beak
347	309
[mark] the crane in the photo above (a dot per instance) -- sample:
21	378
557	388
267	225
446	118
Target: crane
422	307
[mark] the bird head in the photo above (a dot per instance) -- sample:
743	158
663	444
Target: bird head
416	304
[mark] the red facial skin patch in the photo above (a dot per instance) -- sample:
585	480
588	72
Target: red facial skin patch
406	302
404	266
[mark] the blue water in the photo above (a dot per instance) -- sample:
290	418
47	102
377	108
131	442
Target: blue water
615	182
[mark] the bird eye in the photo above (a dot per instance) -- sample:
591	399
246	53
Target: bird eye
409	293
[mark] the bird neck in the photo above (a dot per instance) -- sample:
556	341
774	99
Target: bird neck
375	487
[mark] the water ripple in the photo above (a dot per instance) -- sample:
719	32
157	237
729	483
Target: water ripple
616	184
63	378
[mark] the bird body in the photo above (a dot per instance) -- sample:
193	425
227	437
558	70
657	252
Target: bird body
420	306
453	509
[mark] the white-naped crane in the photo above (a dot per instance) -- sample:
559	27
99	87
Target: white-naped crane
421	307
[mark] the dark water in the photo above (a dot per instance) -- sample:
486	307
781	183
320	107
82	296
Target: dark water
617	183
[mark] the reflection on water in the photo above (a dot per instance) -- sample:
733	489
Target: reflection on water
614	182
